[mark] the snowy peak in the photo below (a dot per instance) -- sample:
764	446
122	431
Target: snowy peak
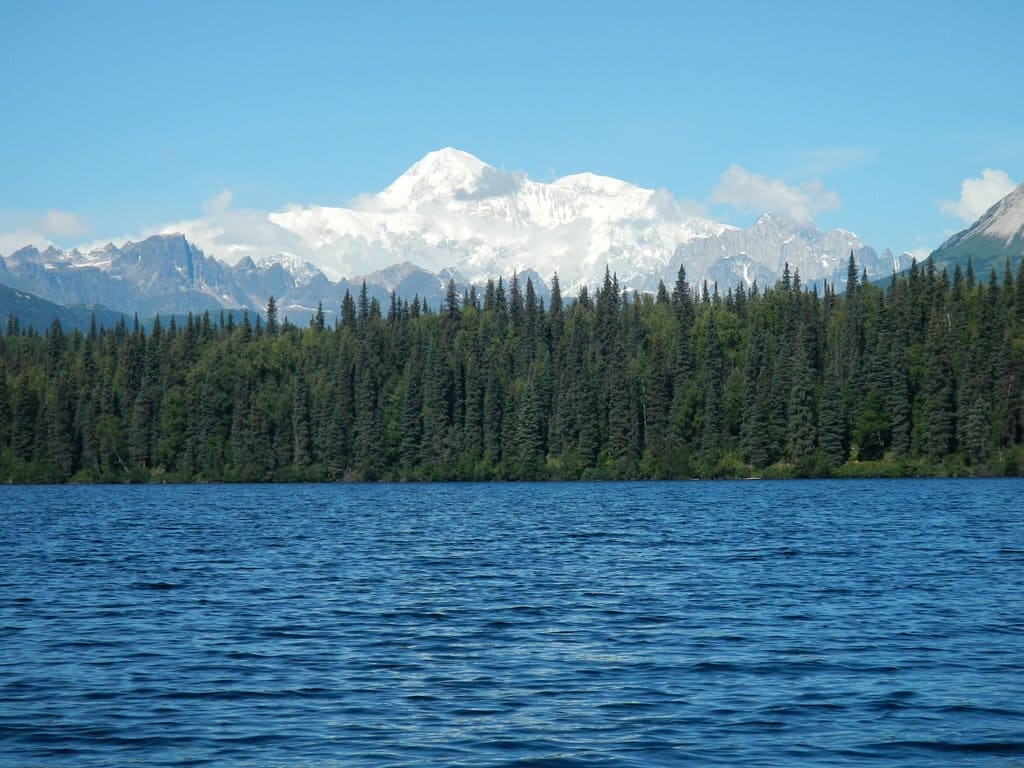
27	254
770	221
452	211
779	221
300	269
595	184
439	175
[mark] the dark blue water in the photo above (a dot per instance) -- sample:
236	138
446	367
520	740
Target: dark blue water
741	624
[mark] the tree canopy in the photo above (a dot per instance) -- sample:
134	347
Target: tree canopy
925	376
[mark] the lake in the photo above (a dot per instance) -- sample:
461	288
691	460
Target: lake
582	624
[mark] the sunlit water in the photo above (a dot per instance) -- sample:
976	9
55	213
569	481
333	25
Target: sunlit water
748	623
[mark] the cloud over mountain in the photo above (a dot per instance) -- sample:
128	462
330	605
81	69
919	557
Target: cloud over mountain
978	195
755	193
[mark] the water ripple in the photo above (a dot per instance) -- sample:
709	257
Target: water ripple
808	623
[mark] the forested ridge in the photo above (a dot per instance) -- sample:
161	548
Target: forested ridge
924	376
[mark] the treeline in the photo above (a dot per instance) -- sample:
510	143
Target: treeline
923	377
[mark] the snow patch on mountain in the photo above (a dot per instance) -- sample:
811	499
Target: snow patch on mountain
300	269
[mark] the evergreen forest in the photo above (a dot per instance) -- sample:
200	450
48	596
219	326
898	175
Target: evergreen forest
924	376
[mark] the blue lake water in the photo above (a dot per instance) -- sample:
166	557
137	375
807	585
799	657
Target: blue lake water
606	624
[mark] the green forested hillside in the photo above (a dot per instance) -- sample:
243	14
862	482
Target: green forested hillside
19	309
924	377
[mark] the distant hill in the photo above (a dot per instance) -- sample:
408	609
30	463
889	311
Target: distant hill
34	312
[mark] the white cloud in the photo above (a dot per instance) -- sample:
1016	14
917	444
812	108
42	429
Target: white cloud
219	202
62	224
920	254
231	234
819	162
755	193
978	195
493	183
12	240
19	228
668	206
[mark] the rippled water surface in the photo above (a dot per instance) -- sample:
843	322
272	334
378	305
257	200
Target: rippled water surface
803	623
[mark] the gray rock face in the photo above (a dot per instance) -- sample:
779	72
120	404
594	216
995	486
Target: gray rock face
989	242
762	252
166	274
162	274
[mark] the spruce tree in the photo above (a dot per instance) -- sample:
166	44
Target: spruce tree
25	413
937	401
301	428
271	316
831	422
5	406
529	436
801	432
899	401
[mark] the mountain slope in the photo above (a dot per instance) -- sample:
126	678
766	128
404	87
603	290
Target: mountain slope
34	312
997	236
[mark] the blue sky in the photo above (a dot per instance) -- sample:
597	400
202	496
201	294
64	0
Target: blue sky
122	117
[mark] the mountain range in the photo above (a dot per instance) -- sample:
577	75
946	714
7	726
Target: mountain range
452	217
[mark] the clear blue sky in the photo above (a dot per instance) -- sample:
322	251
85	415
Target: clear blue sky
123	116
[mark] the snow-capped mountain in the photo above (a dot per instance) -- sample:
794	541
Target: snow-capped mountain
300	270
998	235
449	216
452	211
